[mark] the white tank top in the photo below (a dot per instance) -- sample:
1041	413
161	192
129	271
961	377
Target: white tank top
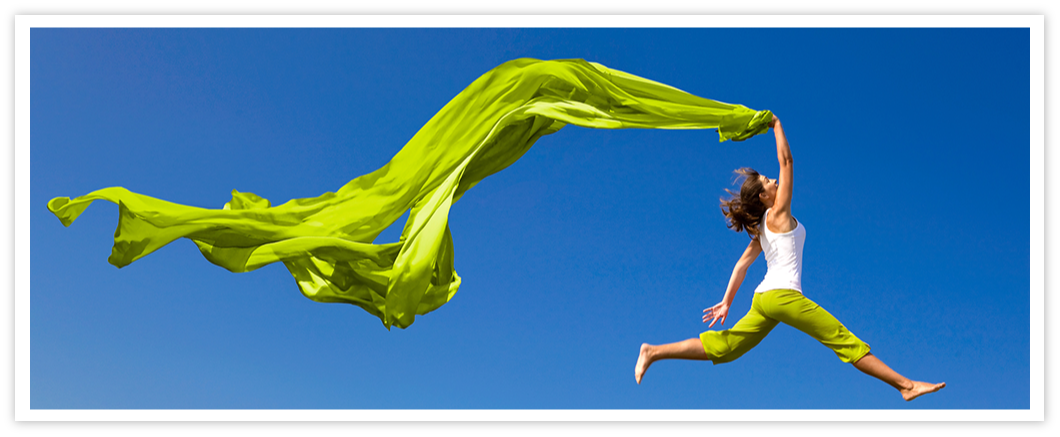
783	257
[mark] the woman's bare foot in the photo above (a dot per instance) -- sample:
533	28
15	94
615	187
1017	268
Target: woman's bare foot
643	361
910	389
691	349
921	388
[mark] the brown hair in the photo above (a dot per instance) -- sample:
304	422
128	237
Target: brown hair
743	211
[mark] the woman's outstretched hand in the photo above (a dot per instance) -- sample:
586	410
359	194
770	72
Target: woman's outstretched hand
719	311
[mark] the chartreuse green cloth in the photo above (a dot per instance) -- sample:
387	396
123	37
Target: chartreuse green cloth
327	241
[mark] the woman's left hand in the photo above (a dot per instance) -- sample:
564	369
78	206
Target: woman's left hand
719	311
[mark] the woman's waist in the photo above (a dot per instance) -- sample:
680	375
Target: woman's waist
781	280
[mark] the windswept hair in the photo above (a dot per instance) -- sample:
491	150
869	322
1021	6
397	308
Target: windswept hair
743	211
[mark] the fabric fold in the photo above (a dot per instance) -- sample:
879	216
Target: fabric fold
327	242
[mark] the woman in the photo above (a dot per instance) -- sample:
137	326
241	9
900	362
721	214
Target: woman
763	209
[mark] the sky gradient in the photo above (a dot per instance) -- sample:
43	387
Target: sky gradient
911	149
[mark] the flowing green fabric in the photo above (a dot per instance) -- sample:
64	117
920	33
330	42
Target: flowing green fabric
326	242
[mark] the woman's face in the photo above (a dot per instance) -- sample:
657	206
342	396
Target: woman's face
769	188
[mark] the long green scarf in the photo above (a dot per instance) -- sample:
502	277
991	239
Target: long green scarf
326	241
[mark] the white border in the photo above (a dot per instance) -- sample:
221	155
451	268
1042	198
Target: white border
22	24
534	21
1037	217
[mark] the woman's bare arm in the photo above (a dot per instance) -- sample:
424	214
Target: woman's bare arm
721	310
780	215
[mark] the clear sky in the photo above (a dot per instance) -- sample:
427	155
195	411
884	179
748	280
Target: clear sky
911	150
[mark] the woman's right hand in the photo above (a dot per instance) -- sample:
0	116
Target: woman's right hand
719	311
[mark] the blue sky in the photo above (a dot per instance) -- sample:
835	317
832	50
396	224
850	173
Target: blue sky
911	150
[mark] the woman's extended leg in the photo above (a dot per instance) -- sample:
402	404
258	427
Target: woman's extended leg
691	349
793	308
717	346
910	389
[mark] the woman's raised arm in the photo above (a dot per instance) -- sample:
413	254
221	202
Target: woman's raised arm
782	205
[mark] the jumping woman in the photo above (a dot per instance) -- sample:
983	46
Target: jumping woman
763	209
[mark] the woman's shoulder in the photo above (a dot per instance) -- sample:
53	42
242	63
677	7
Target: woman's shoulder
779	222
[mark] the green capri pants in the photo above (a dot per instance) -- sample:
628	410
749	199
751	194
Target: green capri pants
792	308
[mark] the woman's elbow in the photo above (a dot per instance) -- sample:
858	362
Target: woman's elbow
740	269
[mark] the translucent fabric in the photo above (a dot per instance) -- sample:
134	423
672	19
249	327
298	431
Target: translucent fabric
327	242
